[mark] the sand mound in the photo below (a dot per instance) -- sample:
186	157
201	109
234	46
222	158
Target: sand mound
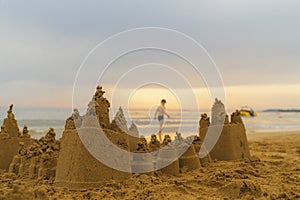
238	189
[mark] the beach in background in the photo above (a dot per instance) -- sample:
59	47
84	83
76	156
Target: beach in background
39	120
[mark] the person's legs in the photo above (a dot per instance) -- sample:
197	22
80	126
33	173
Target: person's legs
161	123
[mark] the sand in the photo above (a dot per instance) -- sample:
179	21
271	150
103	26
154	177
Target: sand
273	173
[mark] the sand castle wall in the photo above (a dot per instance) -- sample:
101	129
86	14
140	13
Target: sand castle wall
9	147
232	143
166	156
38	160
204	155
141	160
132	142
77	168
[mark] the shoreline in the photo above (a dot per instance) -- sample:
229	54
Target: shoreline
256	135
251	135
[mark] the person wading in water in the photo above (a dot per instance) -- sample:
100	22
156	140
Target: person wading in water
159	114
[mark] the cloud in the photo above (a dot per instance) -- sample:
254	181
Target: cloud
43	43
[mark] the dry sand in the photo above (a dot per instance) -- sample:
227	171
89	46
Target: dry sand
273	173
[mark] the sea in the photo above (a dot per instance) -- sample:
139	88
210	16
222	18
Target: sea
39	120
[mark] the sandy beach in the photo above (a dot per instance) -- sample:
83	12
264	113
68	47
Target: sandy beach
272	173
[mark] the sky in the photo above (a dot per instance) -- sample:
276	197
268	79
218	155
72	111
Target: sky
254	43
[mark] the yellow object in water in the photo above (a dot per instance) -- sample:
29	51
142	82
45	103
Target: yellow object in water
245	113
248	113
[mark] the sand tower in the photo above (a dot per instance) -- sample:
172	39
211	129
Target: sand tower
189	160
10	137
154	144
204	155
102	107
232	143
218	113
10	123
133	130
77	168
119	122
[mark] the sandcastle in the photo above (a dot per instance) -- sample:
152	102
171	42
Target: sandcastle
70	164
232	143
77	168
38	160
10	137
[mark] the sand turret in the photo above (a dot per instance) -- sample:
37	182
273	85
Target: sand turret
10	137
39	160
133	130
178	138
119	122
236	117
10	123
102	106
142	145
232	143
204	121
77	118
218	113
25	132
154	144
167	140
189	160
77	167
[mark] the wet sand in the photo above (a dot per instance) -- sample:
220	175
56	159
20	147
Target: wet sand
272	173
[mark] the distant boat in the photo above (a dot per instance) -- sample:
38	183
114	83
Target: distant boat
248	112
